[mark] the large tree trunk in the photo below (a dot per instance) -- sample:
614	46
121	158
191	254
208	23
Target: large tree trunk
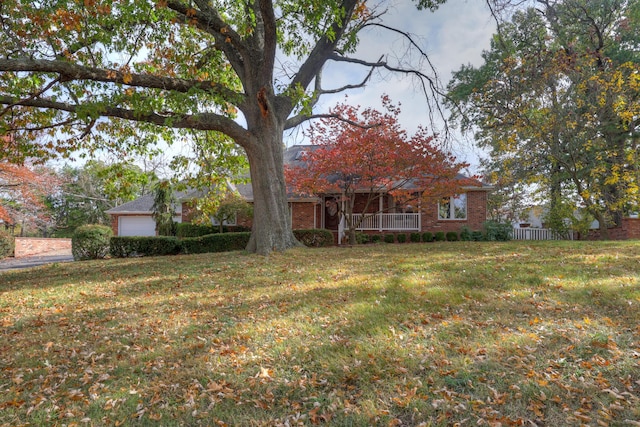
271	229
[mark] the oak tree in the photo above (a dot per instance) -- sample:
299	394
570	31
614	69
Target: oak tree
126	72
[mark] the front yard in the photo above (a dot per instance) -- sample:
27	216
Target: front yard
475	333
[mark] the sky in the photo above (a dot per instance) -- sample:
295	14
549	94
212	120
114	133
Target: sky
453	35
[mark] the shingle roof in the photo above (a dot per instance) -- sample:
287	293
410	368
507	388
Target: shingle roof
144	204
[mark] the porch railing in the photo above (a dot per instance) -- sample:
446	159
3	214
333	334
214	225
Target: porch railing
388	221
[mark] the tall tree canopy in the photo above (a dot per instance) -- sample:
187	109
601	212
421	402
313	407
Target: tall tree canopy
557	103
76	69
371	154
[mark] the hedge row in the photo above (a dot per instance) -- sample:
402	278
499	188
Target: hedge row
7	244
123	247
492	231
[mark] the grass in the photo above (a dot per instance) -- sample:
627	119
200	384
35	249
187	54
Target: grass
416	334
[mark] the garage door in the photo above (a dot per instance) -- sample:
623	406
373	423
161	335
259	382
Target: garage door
136	226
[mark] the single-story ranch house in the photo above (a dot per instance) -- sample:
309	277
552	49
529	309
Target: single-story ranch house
466	209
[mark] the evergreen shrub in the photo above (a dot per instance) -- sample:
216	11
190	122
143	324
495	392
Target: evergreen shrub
415	237
130	246
440	236
427	236
90	242
220	242
452	236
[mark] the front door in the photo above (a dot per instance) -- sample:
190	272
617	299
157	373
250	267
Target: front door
331	213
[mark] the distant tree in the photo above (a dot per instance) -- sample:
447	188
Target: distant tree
88	191
370	154
163	209
23	189
230	207
557	104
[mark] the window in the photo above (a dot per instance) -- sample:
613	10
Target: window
230	221
453	207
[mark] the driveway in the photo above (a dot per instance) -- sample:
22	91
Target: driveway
34	261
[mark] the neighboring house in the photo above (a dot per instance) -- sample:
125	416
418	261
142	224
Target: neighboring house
467	209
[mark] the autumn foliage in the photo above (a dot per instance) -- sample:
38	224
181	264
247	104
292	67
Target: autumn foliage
22	190
367	152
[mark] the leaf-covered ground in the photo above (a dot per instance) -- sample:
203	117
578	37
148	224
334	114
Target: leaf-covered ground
468	334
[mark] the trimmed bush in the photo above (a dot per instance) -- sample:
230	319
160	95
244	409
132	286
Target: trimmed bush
314	238
90	242
415	237
130	246
465	234
451	236
221	242
477	236
362	238
186	229
427	236
389	238
440	236
402	238
375	238
497	231
7	244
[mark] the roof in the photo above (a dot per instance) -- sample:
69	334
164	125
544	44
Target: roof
292	157
144	204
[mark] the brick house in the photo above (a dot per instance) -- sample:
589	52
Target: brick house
467	209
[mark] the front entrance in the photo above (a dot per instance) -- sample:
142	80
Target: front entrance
331	213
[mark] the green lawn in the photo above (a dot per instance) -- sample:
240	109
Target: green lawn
476	333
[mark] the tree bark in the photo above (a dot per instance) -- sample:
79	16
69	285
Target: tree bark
271	229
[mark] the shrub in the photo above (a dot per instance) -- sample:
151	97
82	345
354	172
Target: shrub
187	229
221	242
465	234
90	242
7	244
402	238
389	238
477	236
375	238
314	238
415	237
497	231
427	236
440	236
451	236
362	238
128	246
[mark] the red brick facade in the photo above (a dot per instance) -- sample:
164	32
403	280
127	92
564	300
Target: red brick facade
476	215
630	229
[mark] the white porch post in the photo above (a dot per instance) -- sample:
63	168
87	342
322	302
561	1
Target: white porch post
380	208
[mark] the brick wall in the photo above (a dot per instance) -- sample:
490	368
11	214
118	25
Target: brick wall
30	246
630	229
302	215
476	214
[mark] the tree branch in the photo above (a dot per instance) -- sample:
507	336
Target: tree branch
203	121
68	71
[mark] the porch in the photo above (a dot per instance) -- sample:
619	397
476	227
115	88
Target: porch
388	222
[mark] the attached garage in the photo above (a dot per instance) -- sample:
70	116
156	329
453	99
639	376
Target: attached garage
136	226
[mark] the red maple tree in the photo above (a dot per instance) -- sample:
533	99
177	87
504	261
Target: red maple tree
22	192
368	154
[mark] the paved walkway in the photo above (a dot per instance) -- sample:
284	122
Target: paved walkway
34	261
